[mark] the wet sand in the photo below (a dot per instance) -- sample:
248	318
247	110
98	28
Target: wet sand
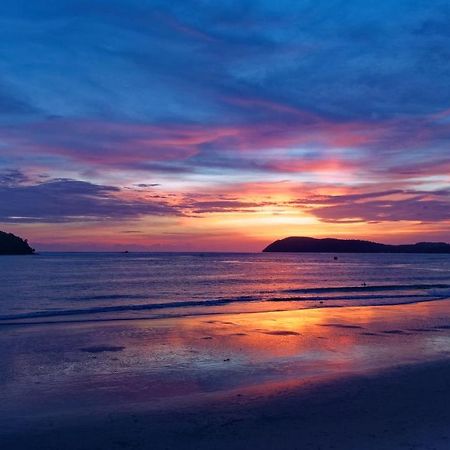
343	378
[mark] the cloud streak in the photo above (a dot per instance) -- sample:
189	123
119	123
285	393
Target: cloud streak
385	206
63	200
328	113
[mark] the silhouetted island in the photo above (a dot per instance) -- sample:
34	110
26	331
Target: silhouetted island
312	245
11	244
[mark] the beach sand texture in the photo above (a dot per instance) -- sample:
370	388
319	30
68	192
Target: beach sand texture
345	378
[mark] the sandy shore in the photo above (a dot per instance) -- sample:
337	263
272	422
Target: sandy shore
402	409
342	378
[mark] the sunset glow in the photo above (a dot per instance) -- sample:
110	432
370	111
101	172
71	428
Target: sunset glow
163	126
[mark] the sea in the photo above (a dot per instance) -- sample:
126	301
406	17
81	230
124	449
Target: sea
82	287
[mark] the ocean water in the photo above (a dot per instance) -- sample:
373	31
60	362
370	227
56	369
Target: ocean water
108	286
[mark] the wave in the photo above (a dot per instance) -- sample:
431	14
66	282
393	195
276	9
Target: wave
367	288
440	292
371	293
108	297
124	308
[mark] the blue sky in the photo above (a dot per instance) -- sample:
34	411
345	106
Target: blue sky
269	104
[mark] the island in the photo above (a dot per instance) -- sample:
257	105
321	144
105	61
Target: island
312	245
11	244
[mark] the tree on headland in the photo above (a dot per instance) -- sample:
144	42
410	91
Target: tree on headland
313	245
11	244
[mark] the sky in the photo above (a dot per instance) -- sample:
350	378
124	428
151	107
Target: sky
223	125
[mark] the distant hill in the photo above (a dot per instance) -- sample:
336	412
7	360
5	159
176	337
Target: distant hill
14	245
312	245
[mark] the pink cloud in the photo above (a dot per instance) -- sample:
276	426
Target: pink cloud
152	146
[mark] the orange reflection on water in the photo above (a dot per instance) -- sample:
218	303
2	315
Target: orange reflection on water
161	362
237	351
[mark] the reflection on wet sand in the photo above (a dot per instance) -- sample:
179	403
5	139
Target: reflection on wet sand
156	364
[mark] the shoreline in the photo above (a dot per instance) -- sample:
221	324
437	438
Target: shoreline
123	384
414	299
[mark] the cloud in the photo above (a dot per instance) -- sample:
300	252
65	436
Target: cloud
104	143
224	206
65	200
179	147
212	97
12	177
157	60
12	106
168	87
385	206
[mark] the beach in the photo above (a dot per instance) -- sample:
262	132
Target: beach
224	225
366	377
402	409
